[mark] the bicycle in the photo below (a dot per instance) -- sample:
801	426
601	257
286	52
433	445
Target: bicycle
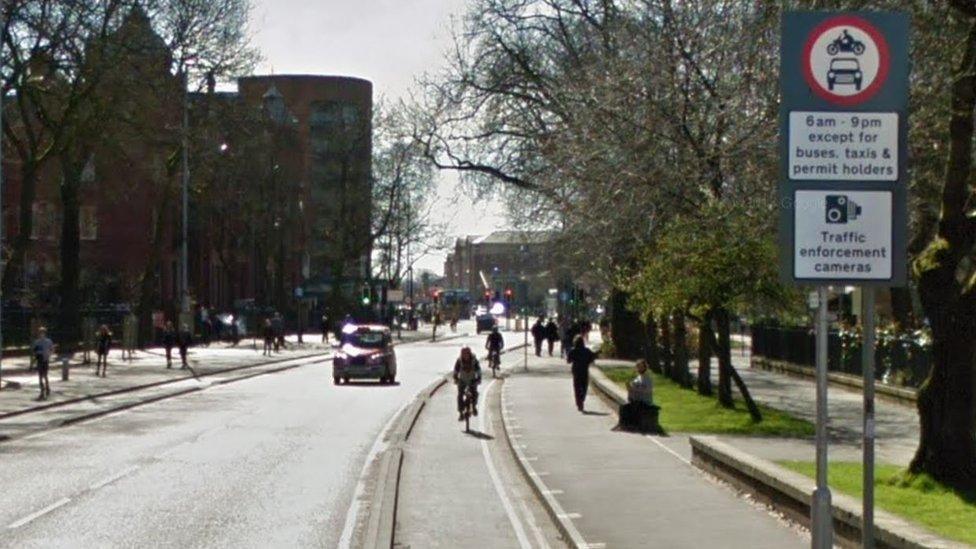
495	361
467	406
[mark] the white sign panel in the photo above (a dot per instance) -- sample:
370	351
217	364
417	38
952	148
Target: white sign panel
843	146
842	234
394	296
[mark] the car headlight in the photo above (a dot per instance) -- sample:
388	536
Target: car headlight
831	74
376	359
857	74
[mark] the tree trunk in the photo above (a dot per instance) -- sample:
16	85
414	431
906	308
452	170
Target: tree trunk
679	370
947	399
14	271
651	352
69	318
667	354
947	441
722	349
625	327
704	384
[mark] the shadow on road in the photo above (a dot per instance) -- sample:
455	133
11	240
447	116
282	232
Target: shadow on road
479	435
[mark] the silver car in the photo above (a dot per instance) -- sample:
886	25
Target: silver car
365	352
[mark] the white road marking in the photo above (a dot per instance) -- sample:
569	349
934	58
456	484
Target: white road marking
540	539
570	516
105	482
574	534
499	488
554	492
669	450
352	515
38	514
599	545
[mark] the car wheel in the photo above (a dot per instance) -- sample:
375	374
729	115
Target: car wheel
336	381
346	381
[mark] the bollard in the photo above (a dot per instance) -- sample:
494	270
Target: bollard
64	368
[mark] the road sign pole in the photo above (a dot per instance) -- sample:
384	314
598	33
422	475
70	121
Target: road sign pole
867	361
821	517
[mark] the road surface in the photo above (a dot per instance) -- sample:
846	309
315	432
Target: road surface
269	461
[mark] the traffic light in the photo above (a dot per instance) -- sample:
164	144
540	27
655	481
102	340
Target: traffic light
365	298
487	296
508	294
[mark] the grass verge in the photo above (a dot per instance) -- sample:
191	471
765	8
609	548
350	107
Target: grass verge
917	498
685	411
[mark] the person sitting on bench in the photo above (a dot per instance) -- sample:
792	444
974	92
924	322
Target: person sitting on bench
640	414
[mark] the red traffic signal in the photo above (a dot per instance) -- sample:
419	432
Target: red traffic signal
508	292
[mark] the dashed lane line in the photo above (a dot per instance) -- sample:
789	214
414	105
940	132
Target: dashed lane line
37	514
109	480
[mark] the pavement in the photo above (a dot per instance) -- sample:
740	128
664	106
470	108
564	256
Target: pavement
619	489
275	460
896	425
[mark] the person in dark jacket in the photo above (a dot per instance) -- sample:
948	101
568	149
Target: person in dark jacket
169	341
103	341
538	335
269	337
580	357
552	334
184	339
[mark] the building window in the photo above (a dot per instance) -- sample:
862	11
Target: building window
88	222
45	221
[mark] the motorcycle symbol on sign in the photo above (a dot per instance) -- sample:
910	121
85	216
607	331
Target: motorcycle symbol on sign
845	43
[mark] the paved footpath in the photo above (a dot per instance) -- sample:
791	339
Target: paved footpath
897	427
625	490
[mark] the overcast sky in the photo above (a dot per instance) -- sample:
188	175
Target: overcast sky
389	42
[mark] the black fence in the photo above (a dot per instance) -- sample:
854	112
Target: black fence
899	360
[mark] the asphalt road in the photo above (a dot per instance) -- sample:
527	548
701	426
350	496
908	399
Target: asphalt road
270	461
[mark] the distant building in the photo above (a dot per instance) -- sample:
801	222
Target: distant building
503	260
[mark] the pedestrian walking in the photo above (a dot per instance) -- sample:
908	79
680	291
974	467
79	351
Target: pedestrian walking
103	342
42	349
325	329
538	335
552	334
184	340
269	337
569	335
565	342
169	341
580	357
279	328
206	331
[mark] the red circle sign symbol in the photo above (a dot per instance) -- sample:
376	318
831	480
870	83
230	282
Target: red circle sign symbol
845	60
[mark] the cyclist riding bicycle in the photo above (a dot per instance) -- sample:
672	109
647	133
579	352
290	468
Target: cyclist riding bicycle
495	343
467	374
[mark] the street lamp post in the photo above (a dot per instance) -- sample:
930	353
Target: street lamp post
185	159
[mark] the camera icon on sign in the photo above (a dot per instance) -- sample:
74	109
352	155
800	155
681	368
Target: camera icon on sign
841	209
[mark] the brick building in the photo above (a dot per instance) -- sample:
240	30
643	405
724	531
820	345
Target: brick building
314	132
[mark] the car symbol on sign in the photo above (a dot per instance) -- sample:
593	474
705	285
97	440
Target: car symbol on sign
844	70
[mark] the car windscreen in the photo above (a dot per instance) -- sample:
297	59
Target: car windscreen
370	340
844	65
